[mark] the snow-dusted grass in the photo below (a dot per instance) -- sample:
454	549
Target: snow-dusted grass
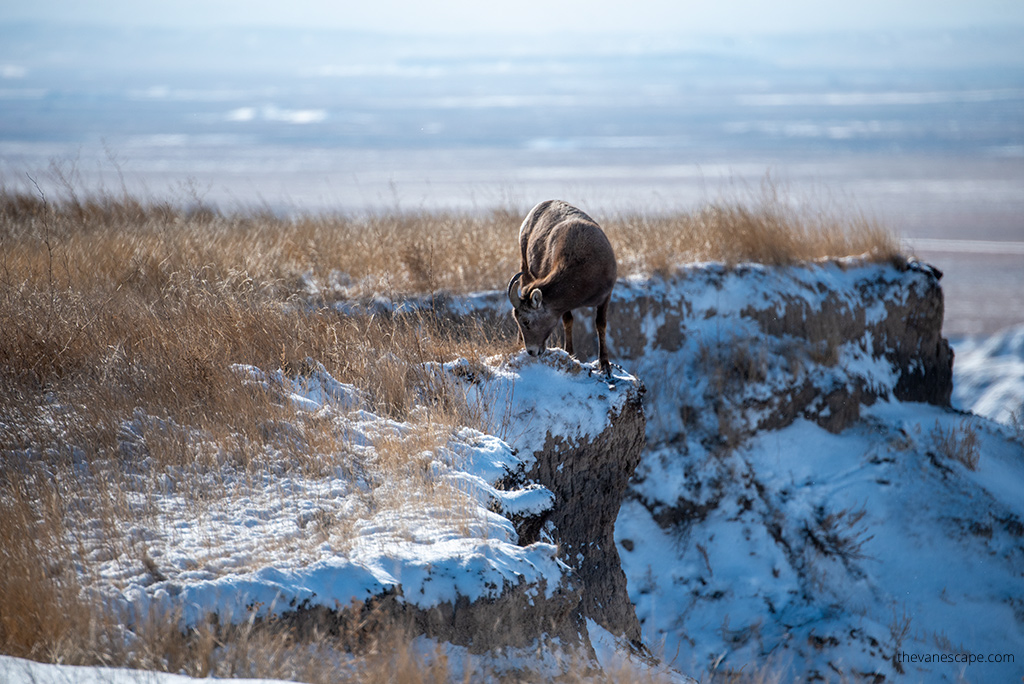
138	414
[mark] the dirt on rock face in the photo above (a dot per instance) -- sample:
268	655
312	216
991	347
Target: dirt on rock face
523	616
519	618
909	335
920	349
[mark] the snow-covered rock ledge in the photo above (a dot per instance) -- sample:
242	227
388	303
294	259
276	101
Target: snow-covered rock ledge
529	566
576	437
833	336
580	435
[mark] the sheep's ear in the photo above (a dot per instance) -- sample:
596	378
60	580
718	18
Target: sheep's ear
535	298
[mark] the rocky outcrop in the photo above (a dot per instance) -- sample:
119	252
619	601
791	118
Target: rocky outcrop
853	319
875	328
580	435
908	334
589	479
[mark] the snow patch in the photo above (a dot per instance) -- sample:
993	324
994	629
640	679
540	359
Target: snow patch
989	376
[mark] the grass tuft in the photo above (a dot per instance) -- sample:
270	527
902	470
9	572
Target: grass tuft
958	444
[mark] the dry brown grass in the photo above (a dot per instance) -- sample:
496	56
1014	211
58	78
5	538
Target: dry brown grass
152	247
767	233
111	308
958	443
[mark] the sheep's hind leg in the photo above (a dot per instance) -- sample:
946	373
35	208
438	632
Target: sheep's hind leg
567	325
602	347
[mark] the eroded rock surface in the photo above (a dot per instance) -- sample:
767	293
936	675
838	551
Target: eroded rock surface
579	435
589	478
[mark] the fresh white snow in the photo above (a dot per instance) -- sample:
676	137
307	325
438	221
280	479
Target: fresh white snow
764	574
989	376
20	671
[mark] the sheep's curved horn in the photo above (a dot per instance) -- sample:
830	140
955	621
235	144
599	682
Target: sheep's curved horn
513	290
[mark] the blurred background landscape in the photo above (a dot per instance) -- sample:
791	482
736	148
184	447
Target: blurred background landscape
912	114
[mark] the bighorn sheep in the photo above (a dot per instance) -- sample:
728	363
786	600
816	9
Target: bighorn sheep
567	263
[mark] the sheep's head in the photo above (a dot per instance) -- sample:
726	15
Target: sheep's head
536	321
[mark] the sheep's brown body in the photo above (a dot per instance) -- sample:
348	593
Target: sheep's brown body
567	263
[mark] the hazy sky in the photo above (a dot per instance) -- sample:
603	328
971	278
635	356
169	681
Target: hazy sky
535	16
